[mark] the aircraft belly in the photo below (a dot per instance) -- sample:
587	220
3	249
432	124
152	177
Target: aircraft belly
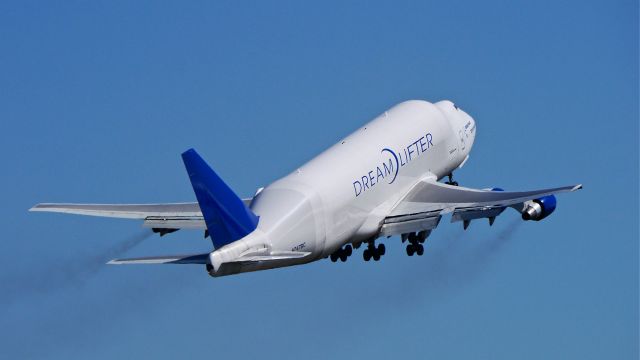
360	179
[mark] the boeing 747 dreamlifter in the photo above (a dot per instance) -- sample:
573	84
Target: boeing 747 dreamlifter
380	181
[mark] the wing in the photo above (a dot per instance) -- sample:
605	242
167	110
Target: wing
171	259
422	208
159	216
165	216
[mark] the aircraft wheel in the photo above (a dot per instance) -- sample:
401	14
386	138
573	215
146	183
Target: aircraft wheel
349	250
334	257
343	256
420	250
366	255
381	249
376	256
410	250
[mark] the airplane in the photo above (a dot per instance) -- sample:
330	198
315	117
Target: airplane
382	180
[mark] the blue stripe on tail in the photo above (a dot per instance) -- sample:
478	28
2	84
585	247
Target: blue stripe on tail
228	219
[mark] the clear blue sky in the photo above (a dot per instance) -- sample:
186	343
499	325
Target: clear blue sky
98	100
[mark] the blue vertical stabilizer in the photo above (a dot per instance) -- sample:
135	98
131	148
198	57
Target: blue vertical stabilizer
228	219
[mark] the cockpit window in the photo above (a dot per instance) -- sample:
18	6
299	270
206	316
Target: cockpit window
456	106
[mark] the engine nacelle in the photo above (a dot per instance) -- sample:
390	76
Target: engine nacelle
539	209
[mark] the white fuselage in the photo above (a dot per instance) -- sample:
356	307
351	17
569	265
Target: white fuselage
343	194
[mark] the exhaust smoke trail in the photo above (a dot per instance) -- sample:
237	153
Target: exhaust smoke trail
65	274
449	263
460	264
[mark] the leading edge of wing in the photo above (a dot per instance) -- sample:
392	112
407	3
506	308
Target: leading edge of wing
126	211
435	196
169	259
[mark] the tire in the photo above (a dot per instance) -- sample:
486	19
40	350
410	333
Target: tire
343	256
333	257
381	249
366	255
420	250
376	256
410	250
348	250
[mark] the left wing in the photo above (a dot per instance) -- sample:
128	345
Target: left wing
422	208
170	259
158	216
165	216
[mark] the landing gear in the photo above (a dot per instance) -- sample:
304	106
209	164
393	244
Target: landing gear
415	242
415	249
373	252
451	182
342	254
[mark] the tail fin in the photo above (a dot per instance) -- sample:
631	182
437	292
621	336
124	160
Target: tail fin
227	217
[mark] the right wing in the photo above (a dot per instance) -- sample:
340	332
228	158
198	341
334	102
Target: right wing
422	208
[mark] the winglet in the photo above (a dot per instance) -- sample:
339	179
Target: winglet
228	219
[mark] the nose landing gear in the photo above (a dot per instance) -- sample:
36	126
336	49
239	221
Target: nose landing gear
451	182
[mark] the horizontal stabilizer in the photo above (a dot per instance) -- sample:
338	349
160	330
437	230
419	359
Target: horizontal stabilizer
170	259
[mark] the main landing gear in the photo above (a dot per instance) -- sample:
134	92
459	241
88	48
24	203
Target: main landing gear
342	254
415	242
373	252
451	182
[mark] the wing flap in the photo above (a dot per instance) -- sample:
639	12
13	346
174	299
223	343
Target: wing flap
174	222
477	213
410	223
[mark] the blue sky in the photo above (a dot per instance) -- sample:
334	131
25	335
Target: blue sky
100	98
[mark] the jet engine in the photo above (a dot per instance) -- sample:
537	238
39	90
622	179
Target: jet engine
539	209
